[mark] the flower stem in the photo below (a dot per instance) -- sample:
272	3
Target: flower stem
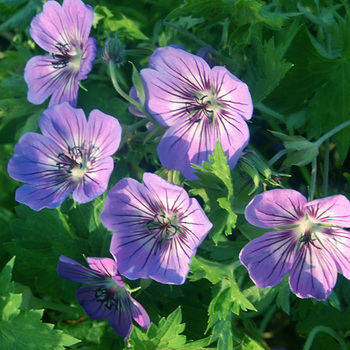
39	303
326	169
329	134
194	38
262	108
313	179
123	94
276	157
324	329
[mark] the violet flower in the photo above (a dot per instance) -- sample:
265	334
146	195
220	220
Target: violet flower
106	296
71	155
157	228
308	242
64	32
200	105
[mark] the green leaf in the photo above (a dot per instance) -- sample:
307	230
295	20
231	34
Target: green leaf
164	336
41	237
23	329
229	297
22	17
266	69
211	270
300	151
216	188
113	21
318	83
137	82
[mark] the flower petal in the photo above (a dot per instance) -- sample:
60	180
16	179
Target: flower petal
104	133
314	272
334	210
35	159
142	252
337	242
44	195
65	125
94	182
43	80
78	19
269	257
121	320
127	203
186	68
105	266
49	28
276	208
232	93
87	296
142	256
139	314
167	98
88	58
73	271
189	142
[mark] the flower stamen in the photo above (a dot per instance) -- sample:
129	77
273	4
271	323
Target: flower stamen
61	60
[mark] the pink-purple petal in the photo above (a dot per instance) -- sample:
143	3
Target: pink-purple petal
270	257
94	182
49	28
314	272
166	97
337	242
188	69
88	58
43	79
65	125
104	132
105	266
44	195
139	314
78	18
144	251
334	210
34	159
232	93
73	271
276	208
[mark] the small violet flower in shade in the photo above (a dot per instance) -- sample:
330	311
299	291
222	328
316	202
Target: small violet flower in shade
308	242
71	155
64	32
106	294
157	226
201	105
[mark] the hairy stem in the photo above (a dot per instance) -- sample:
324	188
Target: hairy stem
313	179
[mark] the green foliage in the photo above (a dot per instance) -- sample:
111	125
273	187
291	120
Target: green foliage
23	328
167	335
41	237
319	81
216	189
115	20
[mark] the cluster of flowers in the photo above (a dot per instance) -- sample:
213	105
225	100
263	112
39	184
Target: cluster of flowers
157	227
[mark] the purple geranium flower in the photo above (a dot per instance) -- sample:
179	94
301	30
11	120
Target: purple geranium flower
64	32
201	105
309	242
72	155
106	296
158	228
